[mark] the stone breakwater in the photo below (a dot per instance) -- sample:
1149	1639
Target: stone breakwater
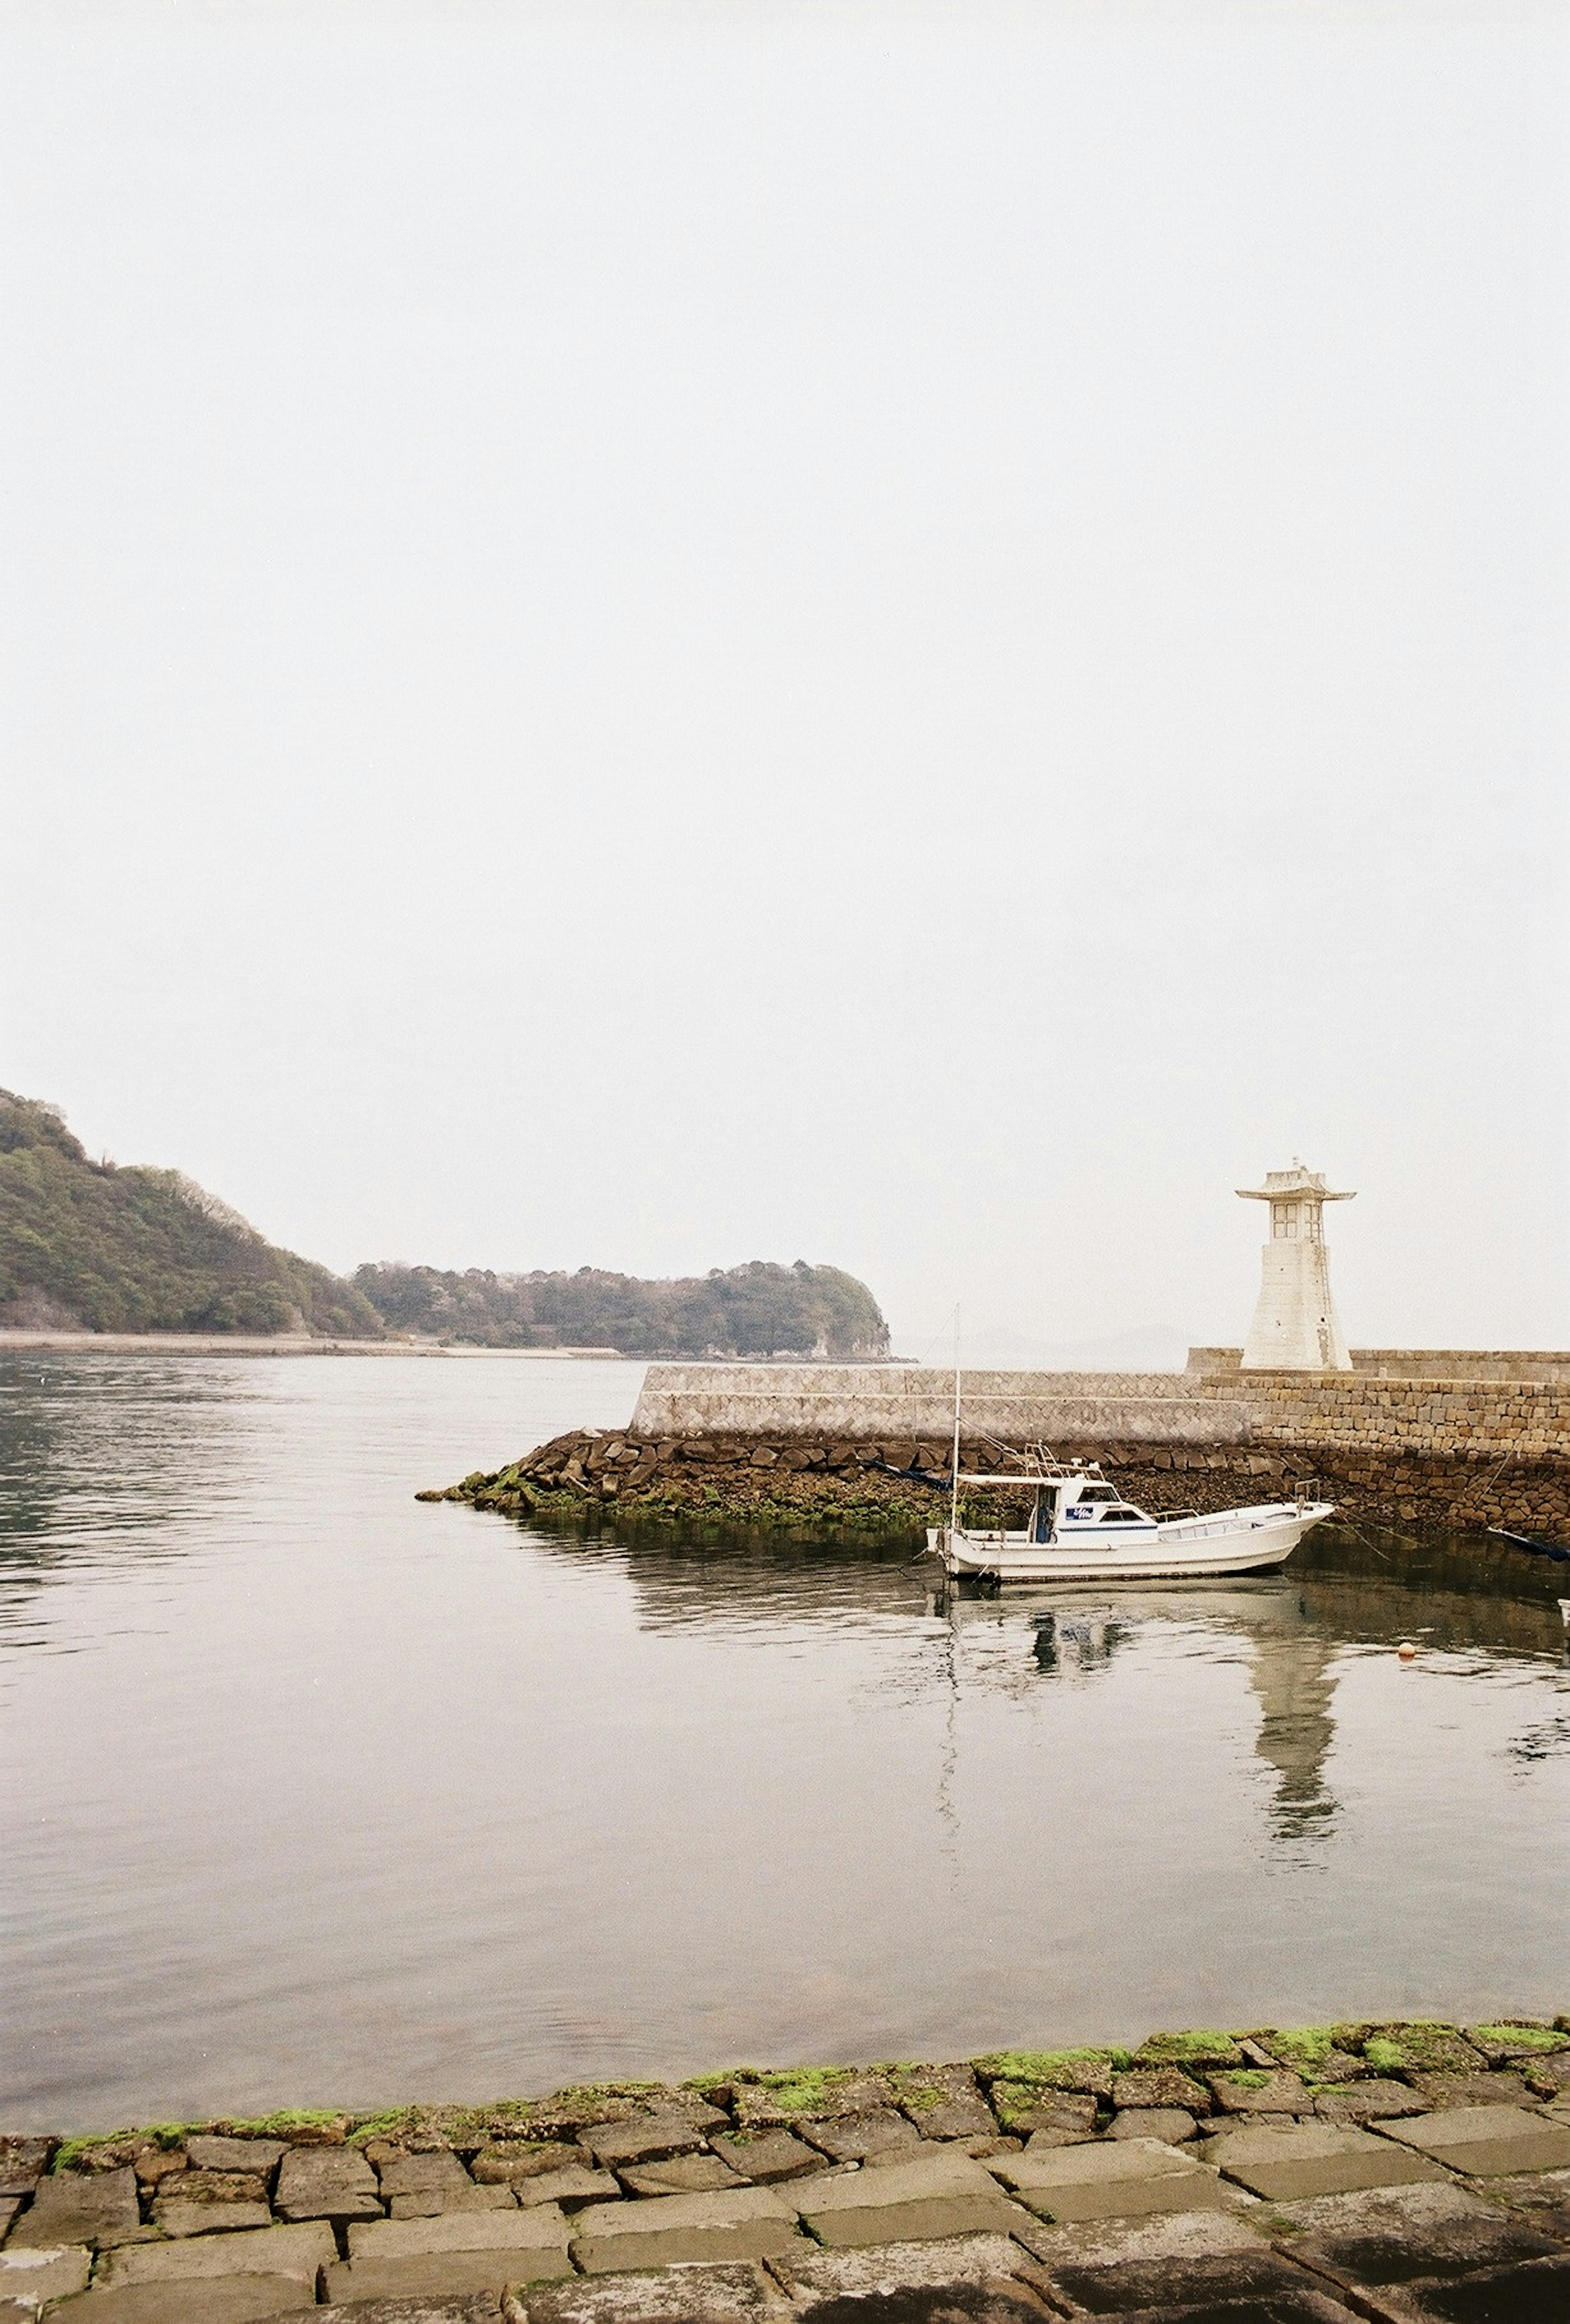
778	1479
1409	2174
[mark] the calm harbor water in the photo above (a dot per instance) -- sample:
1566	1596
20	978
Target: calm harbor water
313	1793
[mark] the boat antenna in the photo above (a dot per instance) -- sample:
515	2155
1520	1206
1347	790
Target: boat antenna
954	1465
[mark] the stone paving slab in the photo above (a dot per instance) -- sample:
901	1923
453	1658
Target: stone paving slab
71	2207
1257	2092
326	2183
576	2186
422	2174
1440	2093
758	2107
23	2164
749	2239
178	2214
929	2171
1356	2103
472	2308
1105	2246
863	2137
928	2218
1395	2234
1166	2124
683	2174
1110	2179
213	2299
439	2274
1161	2086
297	2252
1486	2142
742	2223
766	2156
1106	2267
1541	2197
1303	2159
1028	2110
260	2155
43	2272
811	2276
1534	2291
465	2198
541	2227
999	2299
504	2163
648	2139
722	2293
1294	2304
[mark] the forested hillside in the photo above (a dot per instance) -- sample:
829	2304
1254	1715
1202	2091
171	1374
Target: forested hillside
85	1244
90	1246
757	1310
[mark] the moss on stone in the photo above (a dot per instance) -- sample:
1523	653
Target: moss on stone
1303	2046
802	2089
1196	2046
1419	2045
1058	2069
1526	2040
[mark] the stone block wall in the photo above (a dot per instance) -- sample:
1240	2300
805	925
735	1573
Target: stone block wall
1310	1413
1546	1364
909	1401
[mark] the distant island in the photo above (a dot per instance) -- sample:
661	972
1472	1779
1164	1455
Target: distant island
95	1247
757	1310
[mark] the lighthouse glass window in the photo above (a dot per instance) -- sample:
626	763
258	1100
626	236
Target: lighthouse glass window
1283	1219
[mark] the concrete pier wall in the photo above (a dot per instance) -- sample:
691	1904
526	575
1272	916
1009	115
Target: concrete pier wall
862	1400
1308	1412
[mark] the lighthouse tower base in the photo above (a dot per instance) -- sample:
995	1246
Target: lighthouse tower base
1296	1327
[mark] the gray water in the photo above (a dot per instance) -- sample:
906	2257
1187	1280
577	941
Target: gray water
315	1794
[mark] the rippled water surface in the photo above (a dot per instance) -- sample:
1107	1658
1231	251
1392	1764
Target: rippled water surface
315	1793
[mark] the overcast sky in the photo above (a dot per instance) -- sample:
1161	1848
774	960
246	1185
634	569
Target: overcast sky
918	636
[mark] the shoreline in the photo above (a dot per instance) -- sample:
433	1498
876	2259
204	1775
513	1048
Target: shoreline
1296	2173
758	1478
224	1344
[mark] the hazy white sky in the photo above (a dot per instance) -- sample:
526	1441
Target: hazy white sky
922	636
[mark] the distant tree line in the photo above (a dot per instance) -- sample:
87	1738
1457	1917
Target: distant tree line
89	1246
756	1310
86	1245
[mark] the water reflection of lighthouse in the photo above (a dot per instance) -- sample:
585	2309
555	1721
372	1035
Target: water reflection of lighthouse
1288	1670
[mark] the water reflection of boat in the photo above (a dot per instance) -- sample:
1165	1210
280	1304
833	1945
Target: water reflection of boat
1080	1529
1077	1633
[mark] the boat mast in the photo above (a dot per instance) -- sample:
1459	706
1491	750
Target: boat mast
953	1464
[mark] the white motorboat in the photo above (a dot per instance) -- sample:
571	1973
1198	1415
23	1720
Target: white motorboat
1081	1528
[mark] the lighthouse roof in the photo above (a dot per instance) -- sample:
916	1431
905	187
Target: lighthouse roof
1295	1185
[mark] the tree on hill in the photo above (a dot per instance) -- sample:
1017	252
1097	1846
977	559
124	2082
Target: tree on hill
757	1310
85	1244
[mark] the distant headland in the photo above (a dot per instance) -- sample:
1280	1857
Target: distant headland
128	1253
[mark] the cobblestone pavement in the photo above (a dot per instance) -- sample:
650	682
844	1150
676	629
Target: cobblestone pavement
1401	2173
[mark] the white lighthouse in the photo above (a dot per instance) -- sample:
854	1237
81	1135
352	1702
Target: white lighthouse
1295	1328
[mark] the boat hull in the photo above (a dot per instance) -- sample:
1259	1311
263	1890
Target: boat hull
1237	1540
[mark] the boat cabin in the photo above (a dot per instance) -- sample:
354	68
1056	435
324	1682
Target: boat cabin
1073	1504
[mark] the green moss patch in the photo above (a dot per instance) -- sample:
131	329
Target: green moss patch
1055	2069
1518	2041
1198	2046
1420	2046
804	2091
